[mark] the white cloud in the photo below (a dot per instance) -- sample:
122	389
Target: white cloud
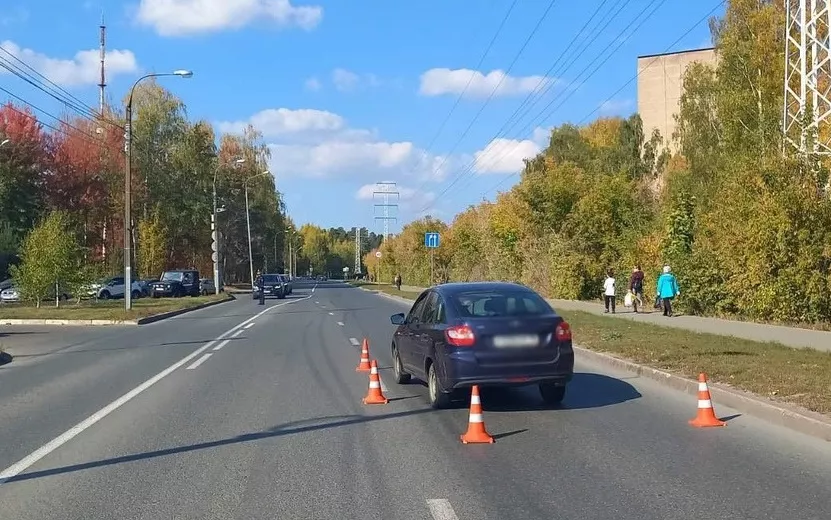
347	81
437	82
317	144
83	69
187	17
614	107
313	84
14	16
283	121
344	79
508	155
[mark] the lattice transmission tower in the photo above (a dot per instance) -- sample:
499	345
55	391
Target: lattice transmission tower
389	204
807	110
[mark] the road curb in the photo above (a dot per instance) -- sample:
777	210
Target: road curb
141	321
158	317
789	416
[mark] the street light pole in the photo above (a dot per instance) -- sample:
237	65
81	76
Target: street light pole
128	181
215	223
248	224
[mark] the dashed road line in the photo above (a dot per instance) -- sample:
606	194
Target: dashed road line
354	342
340	323
199	361
441	509
249	325
224	342
32	459
237	333
331	314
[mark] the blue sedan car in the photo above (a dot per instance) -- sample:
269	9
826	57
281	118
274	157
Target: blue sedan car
482	333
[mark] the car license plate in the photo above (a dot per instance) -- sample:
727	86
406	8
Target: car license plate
516	340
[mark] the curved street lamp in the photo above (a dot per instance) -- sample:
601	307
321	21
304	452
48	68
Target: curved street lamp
128	181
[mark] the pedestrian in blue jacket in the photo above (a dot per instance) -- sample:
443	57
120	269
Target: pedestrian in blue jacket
667	289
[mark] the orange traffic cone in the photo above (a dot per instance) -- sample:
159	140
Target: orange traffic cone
364	366
706	415
374	395
476	433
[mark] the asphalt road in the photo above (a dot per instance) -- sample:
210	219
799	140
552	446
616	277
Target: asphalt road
271	426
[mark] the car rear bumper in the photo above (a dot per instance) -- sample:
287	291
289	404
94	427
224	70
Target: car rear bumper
463	372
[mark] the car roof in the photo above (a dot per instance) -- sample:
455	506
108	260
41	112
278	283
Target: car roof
454	288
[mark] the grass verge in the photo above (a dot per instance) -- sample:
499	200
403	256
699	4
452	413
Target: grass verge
797	376
104	309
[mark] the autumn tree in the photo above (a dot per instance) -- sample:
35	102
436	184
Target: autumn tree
51	261
154	239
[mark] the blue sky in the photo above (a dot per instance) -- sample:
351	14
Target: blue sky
350	93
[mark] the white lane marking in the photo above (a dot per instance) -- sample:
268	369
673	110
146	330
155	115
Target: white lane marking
199	361
441	509
340	323
249	325
317	303
331	314
354	342
31	459
224	342
237	333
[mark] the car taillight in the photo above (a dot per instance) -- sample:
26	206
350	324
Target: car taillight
563	332
460	336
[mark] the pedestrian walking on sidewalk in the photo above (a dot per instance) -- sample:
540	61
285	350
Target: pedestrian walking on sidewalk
609	291
398	281
667	289
636	287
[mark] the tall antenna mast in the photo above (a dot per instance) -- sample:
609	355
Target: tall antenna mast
102	84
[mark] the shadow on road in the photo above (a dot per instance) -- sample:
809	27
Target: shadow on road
290	428
586	390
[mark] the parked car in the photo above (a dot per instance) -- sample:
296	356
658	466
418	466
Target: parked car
206	286
177	283
146	286
483	333
114	288
11	294
273	285
287	283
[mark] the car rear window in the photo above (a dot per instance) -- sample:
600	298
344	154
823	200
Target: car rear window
271	279
484	304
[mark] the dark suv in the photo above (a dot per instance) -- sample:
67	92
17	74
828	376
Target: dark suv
176	283
273	285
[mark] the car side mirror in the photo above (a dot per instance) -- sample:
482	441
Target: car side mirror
397	319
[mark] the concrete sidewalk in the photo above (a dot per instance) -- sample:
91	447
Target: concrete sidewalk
789	336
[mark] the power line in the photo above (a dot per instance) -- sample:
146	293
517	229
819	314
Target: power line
42	111
470	81
628	82
53	92
551	72
608	55
499	84
470	166
621	5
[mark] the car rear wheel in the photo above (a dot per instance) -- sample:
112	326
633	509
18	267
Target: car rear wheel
552	394
438	398
401	377
136	295
105	295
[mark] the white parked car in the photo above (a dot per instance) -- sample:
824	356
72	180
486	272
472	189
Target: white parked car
114	288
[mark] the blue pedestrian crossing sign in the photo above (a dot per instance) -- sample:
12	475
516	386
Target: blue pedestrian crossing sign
431	240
